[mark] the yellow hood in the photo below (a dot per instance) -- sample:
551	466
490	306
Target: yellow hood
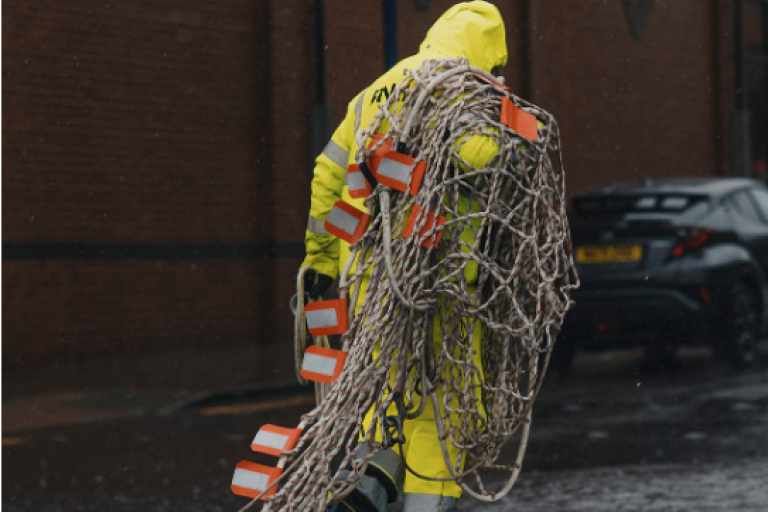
470	29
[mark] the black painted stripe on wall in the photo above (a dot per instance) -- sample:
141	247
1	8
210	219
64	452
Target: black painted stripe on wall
108	251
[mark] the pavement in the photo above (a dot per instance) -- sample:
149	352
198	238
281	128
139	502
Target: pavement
137	384
125	385
163	431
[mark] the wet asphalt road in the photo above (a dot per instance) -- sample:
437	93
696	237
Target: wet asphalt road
613	436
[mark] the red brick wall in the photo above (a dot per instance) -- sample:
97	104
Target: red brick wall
121	119
721	32
55	309
145	122
288	195
355	51
158	131
628	109
654	107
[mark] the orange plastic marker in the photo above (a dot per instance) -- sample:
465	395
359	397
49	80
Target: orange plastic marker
519	120
327	317
346	222
322	364
358	185
396	170
428	225
251	479
274	440
375	158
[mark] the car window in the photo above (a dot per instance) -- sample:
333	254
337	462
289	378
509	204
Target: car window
694	212
674	203
600	206
646	203
744	204
761	198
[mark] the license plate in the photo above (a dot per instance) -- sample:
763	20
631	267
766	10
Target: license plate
627	253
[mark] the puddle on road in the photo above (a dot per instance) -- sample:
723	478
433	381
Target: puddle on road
690	439
724	487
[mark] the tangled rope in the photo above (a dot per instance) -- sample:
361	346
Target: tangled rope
502	267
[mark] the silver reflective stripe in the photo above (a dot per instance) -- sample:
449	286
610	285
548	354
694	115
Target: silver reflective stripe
320	318
395	170
318	364
359	111
413	502
270	439
250	479
316	226
343	220
355	181
336	153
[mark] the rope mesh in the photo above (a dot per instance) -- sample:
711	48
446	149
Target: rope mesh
502	267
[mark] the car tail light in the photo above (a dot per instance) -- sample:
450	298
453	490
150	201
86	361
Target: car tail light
606	327
701	294
692	239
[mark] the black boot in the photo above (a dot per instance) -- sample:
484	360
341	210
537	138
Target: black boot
378	487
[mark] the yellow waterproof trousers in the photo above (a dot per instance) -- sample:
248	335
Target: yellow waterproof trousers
421	448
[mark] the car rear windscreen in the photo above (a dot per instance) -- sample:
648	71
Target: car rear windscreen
620	204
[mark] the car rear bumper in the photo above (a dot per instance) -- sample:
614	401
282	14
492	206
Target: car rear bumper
631	316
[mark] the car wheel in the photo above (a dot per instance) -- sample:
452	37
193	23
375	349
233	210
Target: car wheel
738	342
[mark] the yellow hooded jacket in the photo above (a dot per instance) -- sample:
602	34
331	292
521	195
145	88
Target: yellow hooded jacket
474	30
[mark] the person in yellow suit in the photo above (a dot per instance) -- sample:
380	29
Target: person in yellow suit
474	30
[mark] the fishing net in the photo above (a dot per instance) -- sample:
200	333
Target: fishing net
499	266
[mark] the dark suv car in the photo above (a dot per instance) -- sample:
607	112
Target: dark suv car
669	262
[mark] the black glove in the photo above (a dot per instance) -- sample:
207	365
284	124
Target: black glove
316	289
